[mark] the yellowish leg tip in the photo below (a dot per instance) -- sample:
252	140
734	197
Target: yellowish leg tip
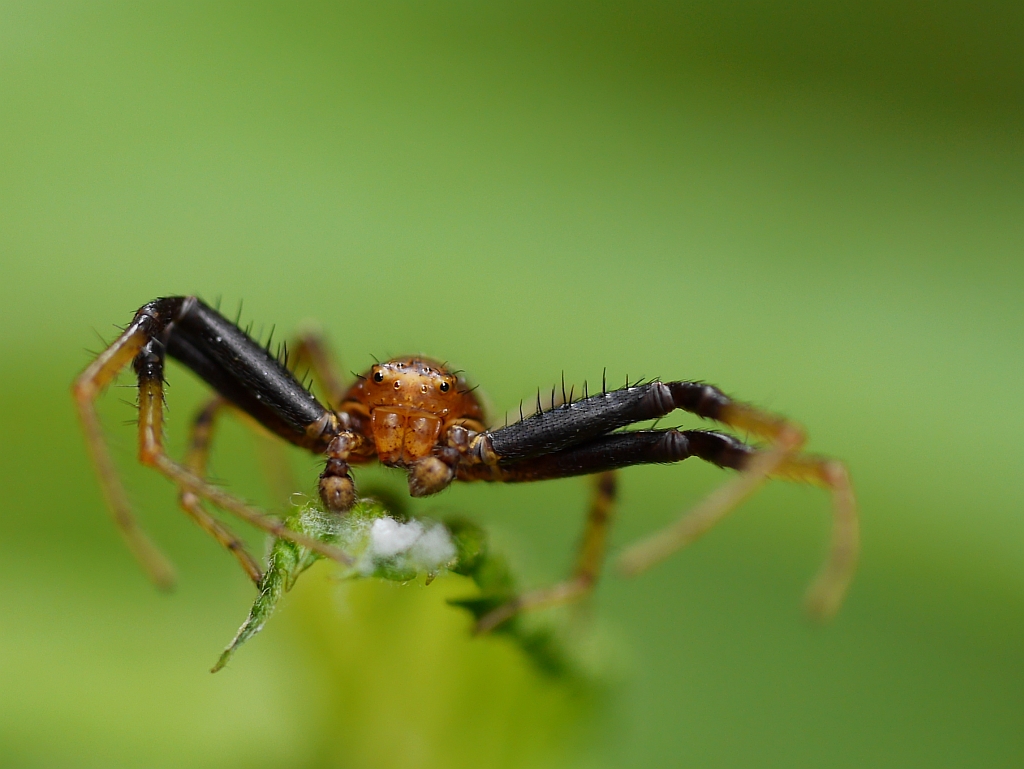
485	625
156	565
165	582
822	604
497	617
165	578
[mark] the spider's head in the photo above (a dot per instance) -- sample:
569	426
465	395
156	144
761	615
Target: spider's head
413	383
410	400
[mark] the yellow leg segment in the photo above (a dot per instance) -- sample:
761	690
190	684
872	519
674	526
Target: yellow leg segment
152	454
311	349
780	460
588	562
196	458
85	389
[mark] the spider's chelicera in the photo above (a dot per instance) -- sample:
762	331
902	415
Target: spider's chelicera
413	413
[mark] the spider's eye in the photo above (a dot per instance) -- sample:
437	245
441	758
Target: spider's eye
378	376
444	387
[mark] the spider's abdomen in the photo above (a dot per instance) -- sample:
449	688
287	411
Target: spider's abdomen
410	402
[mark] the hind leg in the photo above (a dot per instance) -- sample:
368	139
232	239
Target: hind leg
196	458
827	590
588	562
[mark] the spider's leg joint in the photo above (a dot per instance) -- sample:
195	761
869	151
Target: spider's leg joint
676	445
328	423
660	397
459	438
481	450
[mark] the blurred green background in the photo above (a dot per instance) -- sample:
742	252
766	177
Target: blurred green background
819	208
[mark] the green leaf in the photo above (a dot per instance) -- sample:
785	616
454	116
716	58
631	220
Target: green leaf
398	549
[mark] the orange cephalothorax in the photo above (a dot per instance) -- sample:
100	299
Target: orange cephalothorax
410	403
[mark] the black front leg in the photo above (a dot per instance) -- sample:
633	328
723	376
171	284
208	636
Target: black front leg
574	423
612	452
244	373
